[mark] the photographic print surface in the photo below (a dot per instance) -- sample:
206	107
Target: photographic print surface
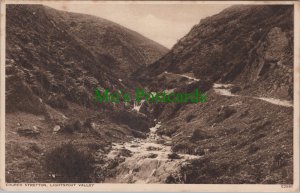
143	93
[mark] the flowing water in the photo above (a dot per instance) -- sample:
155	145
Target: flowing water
137	106
149	162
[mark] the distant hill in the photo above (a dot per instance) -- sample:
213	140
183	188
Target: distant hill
122	49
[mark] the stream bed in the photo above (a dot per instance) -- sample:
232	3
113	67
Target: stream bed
150	162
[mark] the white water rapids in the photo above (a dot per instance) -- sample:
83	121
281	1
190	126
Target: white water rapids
149	162
137	106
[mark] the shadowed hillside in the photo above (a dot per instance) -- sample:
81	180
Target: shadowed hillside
58	56
52	70
123	49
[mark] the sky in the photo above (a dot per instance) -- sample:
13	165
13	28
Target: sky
163	23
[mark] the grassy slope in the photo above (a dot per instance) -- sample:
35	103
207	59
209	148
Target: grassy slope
44	61
122	49
249	142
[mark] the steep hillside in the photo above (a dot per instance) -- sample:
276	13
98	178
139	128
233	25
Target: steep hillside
242	134
55	55
245	44
51	76
123	49
44	61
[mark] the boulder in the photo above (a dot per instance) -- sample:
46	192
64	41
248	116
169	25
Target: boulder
134	120
56	128
152	155
152	148
72	126
174	156
125	153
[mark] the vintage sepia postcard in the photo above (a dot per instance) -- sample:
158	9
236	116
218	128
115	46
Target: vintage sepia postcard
156	96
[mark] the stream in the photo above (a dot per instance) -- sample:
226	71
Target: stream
149	161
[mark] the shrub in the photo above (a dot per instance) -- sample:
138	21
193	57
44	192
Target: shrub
199	135
138	134
279	160
189	117
125	153
72	164
22	100
57	102
168	131
253	149
224	113
186	148
34	147
201	171
71	127
171	180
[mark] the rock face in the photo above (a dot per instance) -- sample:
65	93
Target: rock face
248	44
53	57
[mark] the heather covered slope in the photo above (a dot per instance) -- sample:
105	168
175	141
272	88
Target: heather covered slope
51	76
248	44
58	56
241	138
44	61
123	49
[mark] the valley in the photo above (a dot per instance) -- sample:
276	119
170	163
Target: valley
57	132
